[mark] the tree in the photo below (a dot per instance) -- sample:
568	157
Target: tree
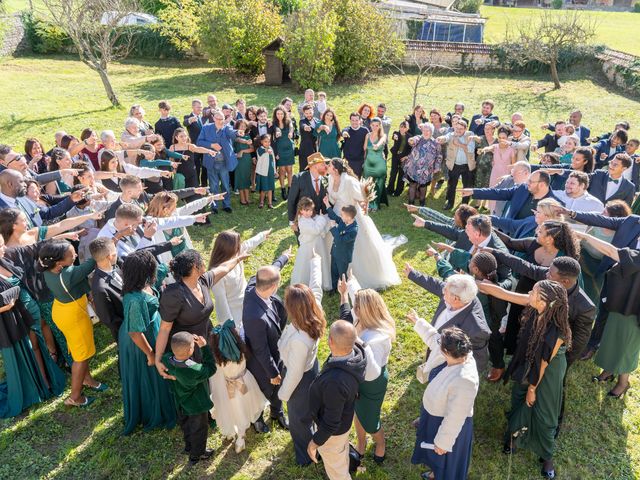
180	22
550	34
365	41
310	44
234	32
94	27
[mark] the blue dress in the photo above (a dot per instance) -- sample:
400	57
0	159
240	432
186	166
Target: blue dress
452	465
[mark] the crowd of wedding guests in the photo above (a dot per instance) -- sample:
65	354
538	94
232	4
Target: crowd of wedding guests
536	270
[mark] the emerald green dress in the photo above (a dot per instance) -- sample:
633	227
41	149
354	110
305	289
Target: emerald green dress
268	183
145	394
620	344
328	143
284	149
375	166
243	170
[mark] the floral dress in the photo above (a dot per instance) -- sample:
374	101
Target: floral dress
424	161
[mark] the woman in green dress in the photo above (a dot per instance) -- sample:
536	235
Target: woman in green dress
537	369
620	344
282	141
146	396
60	160
243	148
328	135
484	160
375	165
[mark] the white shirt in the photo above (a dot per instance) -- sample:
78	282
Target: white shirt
482	244
9	200
446	315
584	203
612	188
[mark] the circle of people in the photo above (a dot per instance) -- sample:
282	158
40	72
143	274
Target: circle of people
542	268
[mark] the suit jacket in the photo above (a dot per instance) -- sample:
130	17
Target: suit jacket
549	142
518	196
479	129
603	146
627	232
598	188
582	311
344	238
223	137
193	128
584	133
36	214
263	327
107	299
302	186
470	320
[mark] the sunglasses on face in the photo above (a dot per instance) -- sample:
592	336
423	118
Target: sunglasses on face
17	158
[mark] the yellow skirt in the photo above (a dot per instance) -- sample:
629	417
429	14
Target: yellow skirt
73	321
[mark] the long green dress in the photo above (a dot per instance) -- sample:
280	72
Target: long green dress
484	165
145	394
620	344
243	170
328	143
268	182
284	149
375	166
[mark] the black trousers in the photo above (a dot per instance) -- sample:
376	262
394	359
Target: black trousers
201	173
194	429
496	345
299	419
396	185
598	328
457	172
357	165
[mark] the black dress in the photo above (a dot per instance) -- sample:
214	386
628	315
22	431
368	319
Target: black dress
188	168
178	305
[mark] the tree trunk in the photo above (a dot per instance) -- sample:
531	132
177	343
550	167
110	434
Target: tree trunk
106	82
416	86
554	74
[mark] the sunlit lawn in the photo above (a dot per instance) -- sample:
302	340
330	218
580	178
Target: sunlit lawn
41	95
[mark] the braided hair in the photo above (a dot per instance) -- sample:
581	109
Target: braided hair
342	165
487	265
563	238
556	312
138	271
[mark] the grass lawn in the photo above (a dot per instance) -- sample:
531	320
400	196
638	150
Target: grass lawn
613	27
41	95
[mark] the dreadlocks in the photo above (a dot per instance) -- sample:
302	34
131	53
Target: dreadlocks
557	312
563	238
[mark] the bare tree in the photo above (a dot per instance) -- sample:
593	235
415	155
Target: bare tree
96	29
543	39
418	68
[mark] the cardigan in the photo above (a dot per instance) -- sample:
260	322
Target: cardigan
298	352
191	386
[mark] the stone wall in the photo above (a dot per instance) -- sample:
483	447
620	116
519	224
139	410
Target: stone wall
12	35
467	56
621	69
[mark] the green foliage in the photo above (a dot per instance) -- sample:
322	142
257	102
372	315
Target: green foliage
179	22
636	7
44	36
512	57
468	6
287	7
151	6
365	39
234	32
147	41
557	4
310	43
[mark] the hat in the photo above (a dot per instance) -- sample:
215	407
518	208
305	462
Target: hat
316	158
226	106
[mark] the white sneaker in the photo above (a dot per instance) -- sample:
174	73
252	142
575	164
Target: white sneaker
240	444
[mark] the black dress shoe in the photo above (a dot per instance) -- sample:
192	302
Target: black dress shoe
228	209
548	473
282	421
214	211
207	454
260	427
379	460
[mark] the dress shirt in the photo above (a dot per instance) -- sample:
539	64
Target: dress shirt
612	187
584	203
9	200
482	244
446	315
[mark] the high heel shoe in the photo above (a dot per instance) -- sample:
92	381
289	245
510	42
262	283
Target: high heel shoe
548	473
600	379
618	395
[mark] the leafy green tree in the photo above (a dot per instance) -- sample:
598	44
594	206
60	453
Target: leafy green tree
365	39
179	22
234	32
309	45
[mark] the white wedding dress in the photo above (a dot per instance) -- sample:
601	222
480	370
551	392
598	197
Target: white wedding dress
372	260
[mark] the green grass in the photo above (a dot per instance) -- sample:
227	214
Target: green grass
613	28
41	95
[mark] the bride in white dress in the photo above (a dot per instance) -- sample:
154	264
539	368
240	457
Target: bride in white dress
372	260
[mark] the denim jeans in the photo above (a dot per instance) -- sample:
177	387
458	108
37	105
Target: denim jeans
219	175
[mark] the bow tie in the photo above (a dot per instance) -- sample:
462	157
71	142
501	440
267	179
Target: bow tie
614	181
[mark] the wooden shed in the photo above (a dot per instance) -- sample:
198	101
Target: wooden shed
274	72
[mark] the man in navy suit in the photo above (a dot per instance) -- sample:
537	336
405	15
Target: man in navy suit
478	120
575	119
264	318
607	149
607	185
193	123
523	198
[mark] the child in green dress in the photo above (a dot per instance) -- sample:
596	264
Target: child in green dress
243	149
265	170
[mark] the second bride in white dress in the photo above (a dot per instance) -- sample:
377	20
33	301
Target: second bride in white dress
372	260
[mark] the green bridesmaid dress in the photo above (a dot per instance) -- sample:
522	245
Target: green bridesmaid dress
375	166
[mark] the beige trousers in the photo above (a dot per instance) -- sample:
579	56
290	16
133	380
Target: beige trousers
335	457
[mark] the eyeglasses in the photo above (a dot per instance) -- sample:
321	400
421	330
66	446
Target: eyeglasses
17	158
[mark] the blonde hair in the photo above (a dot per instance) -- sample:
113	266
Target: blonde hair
372	313
546	207
162	204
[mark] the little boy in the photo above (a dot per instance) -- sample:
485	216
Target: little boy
321	103
344	238
190	391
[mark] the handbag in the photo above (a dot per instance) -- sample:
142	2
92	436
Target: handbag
354	459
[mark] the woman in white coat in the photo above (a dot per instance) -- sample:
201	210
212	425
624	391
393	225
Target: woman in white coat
229	291
372	257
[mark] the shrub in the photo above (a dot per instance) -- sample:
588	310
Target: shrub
511	57
309	46
287	7
557	4
179	22
234	32
147	41
636	7
468	6
45	36
365	39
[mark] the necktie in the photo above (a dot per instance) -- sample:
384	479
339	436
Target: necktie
317	181
614	181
